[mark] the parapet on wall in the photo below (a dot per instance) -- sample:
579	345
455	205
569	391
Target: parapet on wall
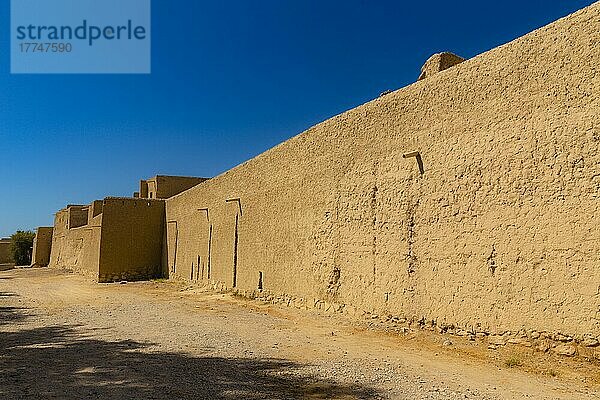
77	216
164	186
438	63
500	232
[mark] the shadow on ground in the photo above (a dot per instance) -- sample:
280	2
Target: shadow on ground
63	362
9	314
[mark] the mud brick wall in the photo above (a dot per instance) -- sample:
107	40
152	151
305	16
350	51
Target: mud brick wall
500	232
132	238
123	241
76	249
42	246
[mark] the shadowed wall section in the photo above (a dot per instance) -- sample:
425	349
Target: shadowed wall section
42	246
6	258
132	234
500	232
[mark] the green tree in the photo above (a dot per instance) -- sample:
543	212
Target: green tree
21	247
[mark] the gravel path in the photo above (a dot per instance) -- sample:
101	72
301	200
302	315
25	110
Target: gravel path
64	337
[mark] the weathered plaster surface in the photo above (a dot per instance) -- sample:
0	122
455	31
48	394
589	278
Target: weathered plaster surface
500	232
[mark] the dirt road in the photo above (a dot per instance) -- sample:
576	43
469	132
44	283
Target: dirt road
65	337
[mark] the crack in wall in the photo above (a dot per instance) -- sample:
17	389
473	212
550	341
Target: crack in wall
374	192
411	257
491	261
334	282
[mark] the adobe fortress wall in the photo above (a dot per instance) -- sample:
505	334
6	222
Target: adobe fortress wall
76	240
500	232
116	238
42	246
110	240
132	238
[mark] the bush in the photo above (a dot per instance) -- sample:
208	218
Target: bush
21	247
514	361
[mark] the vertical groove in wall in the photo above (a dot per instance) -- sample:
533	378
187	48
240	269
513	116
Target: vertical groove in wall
374	221
198	276
335	231
172	267
210	230
235	250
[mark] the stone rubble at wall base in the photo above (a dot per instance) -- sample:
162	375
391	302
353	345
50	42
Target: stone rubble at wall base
586	346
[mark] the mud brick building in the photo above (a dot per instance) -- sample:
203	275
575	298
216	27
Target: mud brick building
116	238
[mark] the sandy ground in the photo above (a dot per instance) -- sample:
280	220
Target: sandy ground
63	336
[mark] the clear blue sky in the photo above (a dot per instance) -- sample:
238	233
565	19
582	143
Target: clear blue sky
229	80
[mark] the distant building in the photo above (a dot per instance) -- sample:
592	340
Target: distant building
116	238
